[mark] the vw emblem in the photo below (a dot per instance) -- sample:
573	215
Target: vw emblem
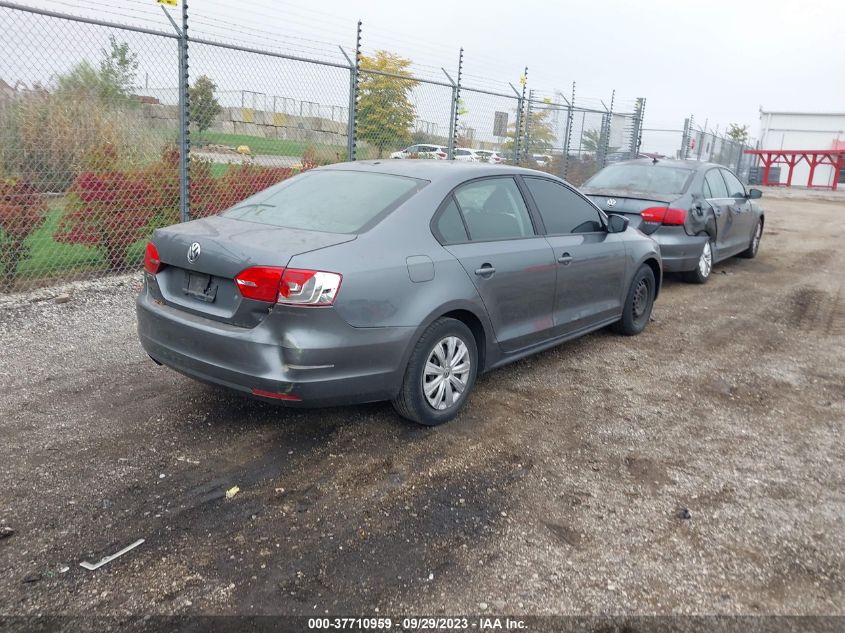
193	252
611	202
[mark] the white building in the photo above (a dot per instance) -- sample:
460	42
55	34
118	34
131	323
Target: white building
804	131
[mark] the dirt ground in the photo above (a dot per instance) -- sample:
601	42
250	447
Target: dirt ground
560	489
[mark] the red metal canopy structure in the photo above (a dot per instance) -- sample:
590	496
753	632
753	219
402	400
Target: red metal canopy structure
814	157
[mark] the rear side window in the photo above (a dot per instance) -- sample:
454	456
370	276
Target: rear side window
716	184
493	209
329	201
735	187
638	177
563	210
449	225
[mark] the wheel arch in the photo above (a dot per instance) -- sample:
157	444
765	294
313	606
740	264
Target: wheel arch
652	263
471	315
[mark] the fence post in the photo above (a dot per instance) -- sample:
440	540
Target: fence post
184	105
352	110
567	139
517	132
456	98
685	136
637	132
527	123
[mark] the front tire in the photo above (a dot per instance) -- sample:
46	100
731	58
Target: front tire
702	271
638	304
440	374
754	246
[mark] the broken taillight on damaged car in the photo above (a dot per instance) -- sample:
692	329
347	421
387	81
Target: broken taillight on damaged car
289	286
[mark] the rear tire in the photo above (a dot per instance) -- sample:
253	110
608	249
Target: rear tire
440	374
754	246
638	304
704	269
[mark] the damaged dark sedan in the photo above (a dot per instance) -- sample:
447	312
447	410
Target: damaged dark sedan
699	213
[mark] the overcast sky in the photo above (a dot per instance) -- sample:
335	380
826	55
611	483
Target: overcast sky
719	60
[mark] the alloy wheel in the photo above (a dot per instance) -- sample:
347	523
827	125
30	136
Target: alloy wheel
705	262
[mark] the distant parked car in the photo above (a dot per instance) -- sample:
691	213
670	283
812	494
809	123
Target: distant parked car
542	160
465	154
489	156
699	213
422	151
389	280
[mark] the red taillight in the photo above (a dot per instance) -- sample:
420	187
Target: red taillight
664	215
152	262
260	283
276	396
441	154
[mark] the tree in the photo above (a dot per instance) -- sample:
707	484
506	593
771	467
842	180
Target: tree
591	142
204	106
385	113
738	133
540	134
112	82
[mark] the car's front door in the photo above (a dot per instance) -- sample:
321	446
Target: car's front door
590	262
744	220
716	194
512	267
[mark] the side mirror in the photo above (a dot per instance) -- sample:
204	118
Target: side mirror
754	194
617	223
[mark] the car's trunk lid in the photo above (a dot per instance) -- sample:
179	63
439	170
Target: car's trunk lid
227	246
630	203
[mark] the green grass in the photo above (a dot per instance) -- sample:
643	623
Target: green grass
268	146
47	256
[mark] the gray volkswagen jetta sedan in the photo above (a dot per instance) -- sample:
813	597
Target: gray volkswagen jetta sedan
393	280
699	213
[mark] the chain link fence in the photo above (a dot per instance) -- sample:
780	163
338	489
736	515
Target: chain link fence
109	130
694	143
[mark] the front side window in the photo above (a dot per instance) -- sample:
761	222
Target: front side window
716	184
333	201
563	210
735	187
493	209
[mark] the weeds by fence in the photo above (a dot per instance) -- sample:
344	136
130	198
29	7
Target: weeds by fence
93	158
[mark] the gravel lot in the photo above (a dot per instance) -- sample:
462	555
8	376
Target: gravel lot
560	489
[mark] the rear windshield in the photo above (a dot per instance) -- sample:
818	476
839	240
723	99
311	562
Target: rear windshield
646	178
329	201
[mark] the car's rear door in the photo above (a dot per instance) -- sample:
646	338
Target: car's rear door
716	194
511	266
590	262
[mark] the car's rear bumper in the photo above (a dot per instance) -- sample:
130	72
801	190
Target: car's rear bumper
680	252
306	353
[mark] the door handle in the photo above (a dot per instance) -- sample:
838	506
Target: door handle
565	259
486	270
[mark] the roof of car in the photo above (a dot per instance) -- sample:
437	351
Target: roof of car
669	162
433	169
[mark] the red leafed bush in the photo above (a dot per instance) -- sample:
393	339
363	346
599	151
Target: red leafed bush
111	207
22	210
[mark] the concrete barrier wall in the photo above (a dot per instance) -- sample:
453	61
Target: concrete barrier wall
258	123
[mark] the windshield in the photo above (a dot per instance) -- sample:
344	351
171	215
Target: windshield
329	201
645	178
